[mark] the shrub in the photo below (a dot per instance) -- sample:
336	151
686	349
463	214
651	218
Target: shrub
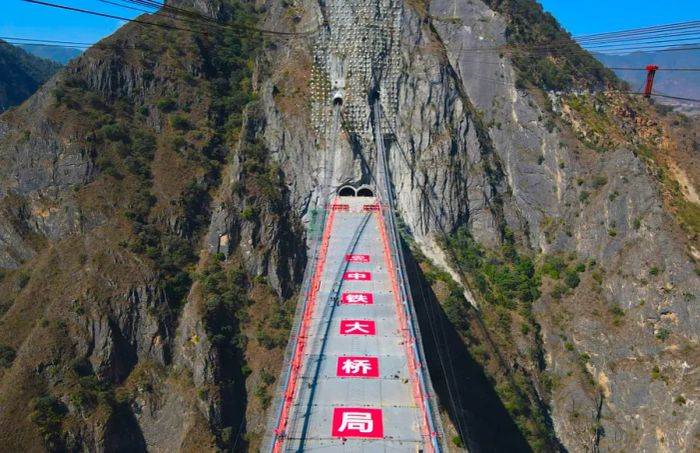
166	104
559	291
248	213
21	279
599	181
617	311
82	366
654	271
59	95
117	132
584	358
261	394
227	435
7	356
572	279
180	122
680	400
553	266
268	341
637	223
48	414
266	377
663	334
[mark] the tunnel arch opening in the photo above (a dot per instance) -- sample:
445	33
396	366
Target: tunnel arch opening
365	192
337	100
347	191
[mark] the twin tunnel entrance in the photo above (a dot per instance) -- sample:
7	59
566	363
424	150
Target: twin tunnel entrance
350	191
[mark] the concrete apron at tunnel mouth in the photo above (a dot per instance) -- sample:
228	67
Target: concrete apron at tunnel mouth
362	396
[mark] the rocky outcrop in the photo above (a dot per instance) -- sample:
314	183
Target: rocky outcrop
541	166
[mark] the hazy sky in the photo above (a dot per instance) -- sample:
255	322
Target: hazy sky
19	19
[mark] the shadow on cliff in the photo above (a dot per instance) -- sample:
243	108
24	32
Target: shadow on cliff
486	424
234	401
123	433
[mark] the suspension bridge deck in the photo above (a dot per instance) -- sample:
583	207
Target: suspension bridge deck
354	379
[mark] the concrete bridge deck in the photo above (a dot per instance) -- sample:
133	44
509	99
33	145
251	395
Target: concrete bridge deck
354	380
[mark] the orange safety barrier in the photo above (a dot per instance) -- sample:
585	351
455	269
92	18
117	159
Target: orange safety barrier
290	391
340	207
413	365
371	207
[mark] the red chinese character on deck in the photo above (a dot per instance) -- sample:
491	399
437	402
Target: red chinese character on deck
357	422
357	298
357	327
367	367
357	276
357	258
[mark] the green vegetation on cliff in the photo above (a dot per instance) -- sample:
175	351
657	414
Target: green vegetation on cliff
507	284
544	53
21	74
156	139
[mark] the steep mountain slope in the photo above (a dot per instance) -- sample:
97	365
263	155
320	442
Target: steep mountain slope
122	336
153	234
54	53
21	74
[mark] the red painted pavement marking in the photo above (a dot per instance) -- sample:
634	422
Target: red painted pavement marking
357	422
413	362
367	367
357	258
357	276
290	390
357	298
357	327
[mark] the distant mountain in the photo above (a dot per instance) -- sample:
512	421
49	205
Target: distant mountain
21	74
680	84
58	54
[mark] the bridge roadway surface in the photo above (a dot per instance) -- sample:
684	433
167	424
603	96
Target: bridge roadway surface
314	421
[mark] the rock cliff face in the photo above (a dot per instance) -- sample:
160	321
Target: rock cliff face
154	211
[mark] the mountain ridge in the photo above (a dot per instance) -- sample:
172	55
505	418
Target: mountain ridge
21	74
680	84
58	54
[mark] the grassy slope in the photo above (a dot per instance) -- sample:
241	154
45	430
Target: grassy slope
147	183
503	335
